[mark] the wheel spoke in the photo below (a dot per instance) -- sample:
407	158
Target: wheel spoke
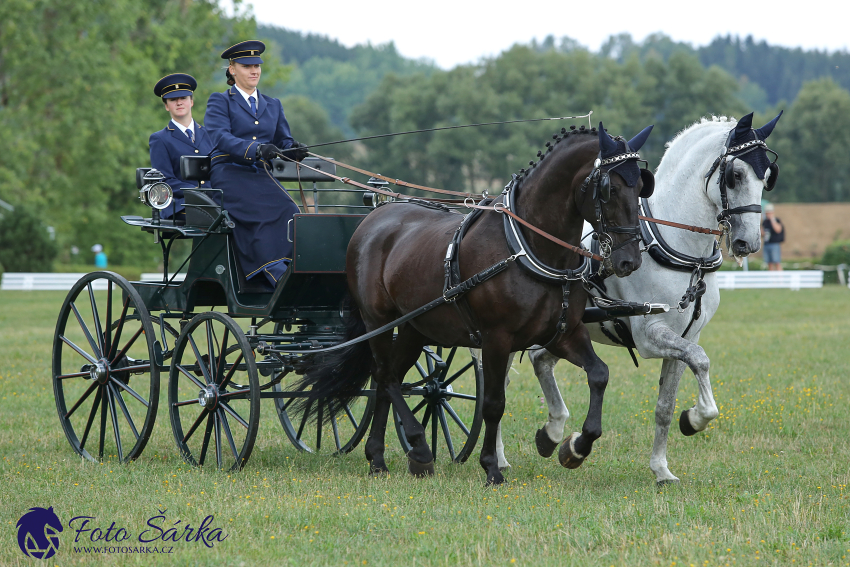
460	396
448	363
92	413
457	374
221	355
229	435
234	393
445	427
113	416
96	316
129	344
120	400
120	328
107	338
455	417
418	407
211	350
287	403
206	443
422	371
85	329
351	417
74	375
195	426
102	427
204	370
335	429
304	420
434	434
218	455
85	395
235	415
129	391
80	351
186	403
231	372
426	416
188	375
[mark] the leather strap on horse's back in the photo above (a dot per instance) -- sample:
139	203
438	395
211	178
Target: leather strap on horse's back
452	276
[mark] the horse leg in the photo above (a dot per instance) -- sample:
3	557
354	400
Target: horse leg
377	433
671	372
548	436
578	350
495	361
665	343
500	446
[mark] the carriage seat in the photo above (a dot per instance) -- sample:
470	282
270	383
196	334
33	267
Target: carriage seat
195	168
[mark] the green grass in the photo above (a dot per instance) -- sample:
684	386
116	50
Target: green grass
767	483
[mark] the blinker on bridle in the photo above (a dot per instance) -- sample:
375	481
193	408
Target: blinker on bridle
726	174
600	180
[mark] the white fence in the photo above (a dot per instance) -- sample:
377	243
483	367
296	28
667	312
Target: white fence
26	281
795	280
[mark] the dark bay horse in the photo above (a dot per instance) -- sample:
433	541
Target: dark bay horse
395	264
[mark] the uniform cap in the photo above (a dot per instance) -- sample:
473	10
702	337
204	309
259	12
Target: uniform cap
175	86
246	52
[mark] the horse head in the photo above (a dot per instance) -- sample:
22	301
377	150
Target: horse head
745	170
614	186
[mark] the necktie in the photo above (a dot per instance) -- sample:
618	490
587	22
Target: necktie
189	133
253	102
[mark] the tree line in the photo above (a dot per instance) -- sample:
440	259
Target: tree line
77	107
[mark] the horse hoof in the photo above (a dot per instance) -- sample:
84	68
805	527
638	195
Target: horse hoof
495	480
420	470
568	456
376	471
685	425
545	446
667	482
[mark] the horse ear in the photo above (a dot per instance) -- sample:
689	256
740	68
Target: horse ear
744	125
638	141
765	130
607	145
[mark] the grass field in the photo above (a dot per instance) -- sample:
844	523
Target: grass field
767	484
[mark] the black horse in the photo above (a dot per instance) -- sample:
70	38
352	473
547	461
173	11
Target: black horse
396	263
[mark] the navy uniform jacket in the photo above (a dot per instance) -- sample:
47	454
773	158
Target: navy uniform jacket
166	147
258	205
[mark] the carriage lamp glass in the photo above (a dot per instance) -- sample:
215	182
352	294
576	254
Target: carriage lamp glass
156	193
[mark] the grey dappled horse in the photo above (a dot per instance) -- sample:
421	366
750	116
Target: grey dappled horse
683	195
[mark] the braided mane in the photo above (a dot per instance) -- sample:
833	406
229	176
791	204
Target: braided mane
558	137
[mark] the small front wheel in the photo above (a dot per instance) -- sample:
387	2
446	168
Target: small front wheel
213	393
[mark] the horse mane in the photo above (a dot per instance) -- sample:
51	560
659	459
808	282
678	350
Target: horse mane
703	122
558	137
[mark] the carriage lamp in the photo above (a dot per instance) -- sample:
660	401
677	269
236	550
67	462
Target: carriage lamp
371	199
155	192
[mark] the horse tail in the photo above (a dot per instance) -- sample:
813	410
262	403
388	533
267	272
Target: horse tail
336	378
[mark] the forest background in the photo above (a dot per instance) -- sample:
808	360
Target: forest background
77	109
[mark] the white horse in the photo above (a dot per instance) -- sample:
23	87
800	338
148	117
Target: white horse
681	196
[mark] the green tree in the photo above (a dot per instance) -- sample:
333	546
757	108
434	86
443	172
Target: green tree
25	244
812	137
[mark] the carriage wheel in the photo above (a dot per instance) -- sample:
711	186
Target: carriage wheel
341	435
213	393
448	403
102	352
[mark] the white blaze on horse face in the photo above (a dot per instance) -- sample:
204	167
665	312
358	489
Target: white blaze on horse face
747	191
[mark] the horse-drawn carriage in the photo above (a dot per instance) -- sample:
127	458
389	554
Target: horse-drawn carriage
117	342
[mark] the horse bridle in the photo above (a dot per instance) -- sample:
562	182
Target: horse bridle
726	175
600	180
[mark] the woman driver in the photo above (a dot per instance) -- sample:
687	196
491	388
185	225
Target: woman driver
248	129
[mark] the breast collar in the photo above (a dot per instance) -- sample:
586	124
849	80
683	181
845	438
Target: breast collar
525	257
665	255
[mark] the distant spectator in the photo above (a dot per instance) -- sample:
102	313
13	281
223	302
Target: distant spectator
774	235
99	256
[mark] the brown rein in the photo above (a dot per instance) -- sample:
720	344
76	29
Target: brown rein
470	196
